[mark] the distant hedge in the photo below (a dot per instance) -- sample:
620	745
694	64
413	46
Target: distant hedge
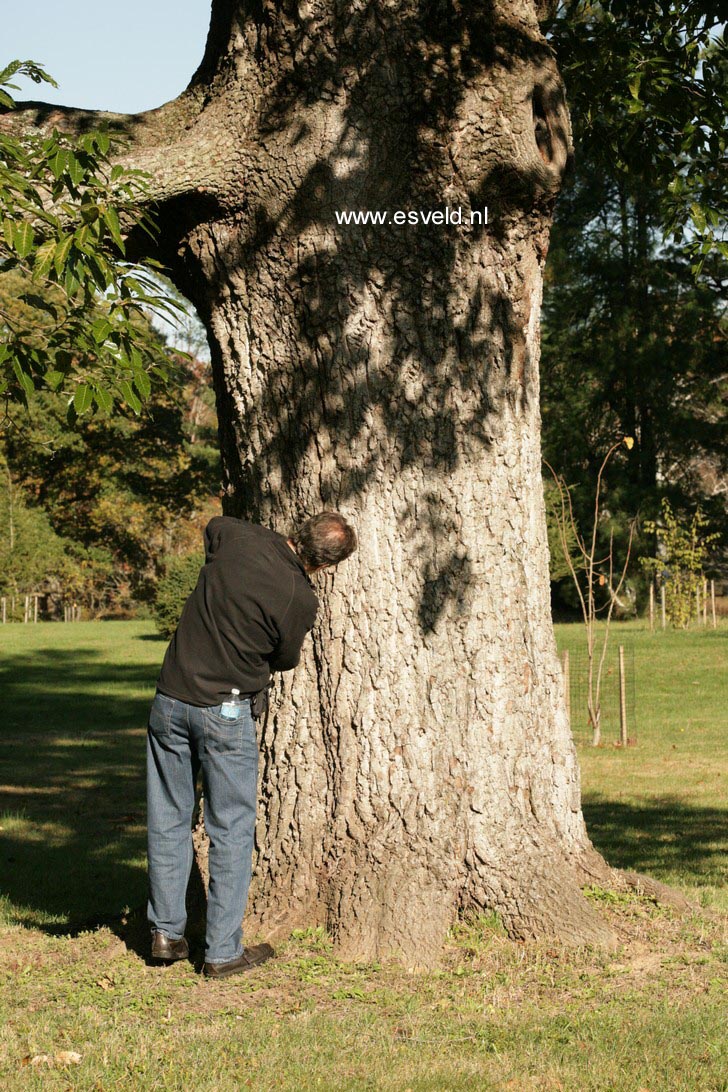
178	582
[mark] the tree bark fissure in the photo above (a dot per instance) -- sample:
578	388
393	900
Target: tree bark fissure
419	763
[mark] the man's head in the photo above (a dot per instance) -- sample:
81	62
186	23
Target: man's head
324	539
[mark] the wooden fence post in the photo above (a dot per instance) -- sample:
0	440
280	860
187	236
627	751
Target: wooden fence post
712	603
5	610
705	601
697	605
662	605
622	700
652	607
35	608
26	610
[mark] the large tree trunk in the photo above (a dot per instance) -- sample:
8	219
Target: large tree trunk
419	761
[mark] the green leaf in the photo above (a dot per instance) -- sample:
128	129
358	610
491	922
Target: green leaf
75	169
142	383
23	239
129	395
57	162
83	398
9	71
54	378
63	249
23	379
89	212
111	219
98	271
104	399
100	330
71	282
44	258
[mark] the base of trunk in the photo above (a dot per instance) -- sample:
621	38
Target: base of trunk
542	899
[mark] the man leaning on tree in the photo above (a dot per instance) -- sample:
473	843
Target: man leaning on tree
247	617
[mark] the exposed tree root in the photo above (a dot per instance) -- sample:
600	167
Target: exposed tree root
652	889
594	870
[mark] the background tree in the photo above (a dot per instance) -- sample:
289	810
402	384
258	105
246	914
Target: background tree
683	547
597	577
658	128
32	556
174	589
421	763
138	489
121	491
634	315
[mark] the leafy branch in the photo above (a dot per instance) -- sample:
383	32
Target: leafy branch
65	208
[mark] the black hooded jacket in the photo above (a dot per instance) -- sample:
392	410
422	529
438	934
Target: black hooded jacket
248	615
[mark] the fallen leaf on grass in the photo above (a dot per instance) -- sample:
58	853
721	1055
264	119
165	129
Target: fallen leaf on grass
37	1060
63	1057
68	1057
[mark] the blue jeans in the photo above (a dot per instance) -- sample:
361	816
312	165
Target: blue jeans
182	740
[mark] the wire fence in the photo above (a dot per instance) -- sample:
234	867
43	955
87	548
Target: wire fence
618	694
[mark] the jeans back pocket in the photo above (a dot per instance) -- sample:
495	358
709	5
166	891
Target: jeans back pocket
160	716
225	736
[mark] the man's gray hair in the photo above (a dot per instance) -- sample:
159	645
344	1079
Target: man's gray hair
324	539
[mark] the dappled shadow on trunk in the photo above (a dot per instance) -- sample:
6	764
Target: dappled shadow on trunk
392	372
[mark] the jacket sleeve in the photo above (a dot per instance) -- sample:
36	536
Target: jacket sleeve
298	620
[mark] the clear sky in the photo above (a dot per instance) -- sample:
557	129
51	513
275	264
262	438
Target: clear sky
125	56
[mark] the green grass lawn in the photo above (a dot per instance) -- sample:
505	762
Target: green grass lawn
660	806
76	699
495	1015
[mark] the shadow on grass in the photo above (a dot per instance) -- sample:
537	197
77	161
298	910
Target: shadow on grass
72	844
72	782
662	837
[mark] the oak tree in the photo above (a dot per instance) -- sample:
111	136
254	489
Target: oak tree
419	763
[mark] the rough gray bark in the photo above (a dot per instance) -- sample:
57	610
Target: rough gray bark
419	762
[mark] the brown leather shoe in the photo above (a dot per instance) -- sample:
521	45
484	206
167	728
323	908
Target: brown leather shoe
251	957
169	951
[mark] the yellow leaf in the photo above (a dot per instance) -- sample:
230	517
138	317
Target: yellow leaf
41	1059
68	1057
629	442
